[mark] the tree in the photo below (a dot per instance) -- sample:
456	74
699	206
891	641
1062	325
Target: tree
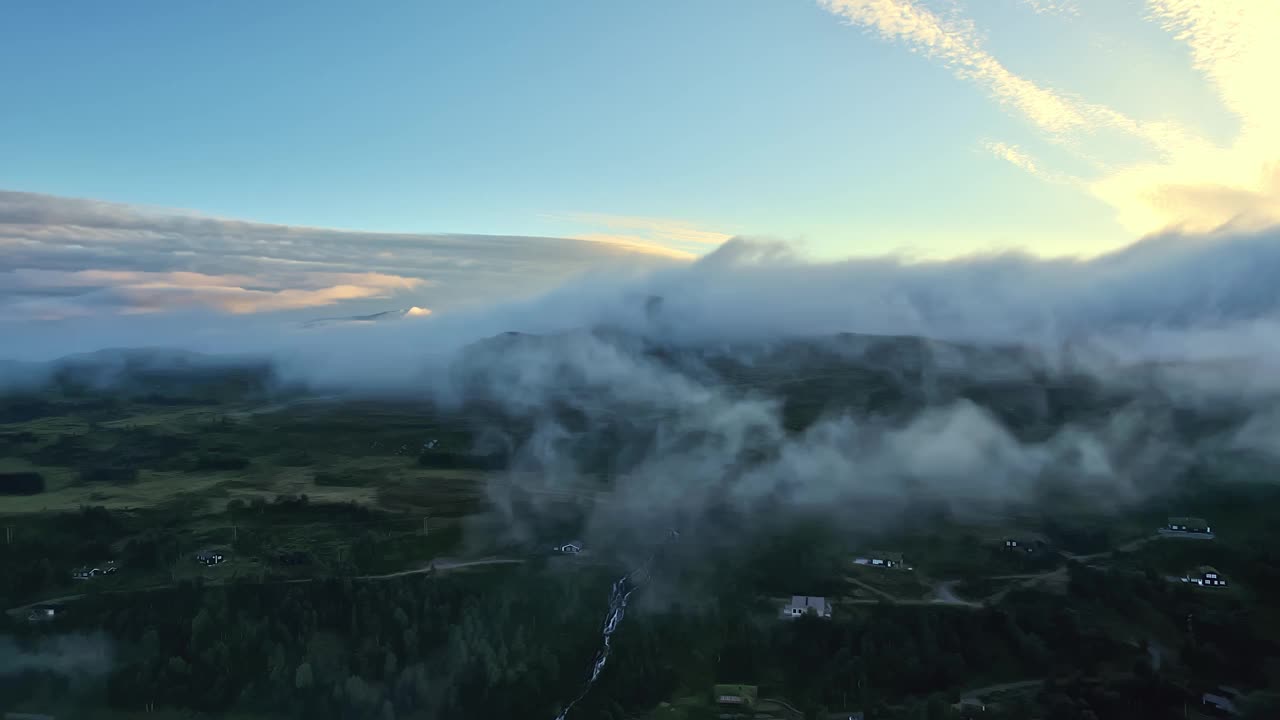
302	678
389	666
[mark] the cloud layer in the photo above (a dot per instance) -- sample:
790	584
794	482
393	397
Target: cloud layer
63	257
1202	298
686	447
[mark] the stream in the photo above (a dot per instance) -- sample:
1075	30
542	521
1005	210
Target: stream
618	597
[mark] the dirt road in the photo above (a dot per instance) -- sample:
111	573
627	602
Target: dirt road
978	693
435	566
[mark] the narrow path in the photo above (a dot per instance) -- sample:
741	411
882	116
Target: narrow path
442	565
979	693
762	702
1058	573
1127	547
872	589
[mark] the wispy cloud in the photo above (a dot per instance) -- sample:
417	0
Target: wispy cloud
1017	157
1052	7
1013	155
957	45
1192	184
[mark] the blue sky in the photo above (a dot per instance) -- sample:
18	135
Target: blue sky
1051	126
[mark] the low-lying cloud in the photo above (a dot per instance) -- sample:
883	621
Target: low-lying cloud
623	360
65	258
67	654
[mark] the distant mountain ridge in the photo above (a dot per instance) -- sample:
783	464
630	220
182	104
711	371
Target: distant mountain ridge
385	315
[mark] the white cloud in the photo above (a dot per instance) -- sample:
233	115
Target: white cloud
1052	7
1017	157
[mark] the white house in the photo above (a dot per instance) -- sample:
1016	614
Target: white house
572	547
806	605
1206	576
880	559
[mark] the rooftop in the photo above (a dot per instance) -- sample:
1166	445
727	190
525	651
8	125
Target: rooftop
885	555
746	692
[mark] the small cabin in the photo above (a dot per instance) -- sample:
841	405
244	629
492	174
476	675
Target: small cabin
572	547
1188	525
1024	545
735	696
879	558
210	557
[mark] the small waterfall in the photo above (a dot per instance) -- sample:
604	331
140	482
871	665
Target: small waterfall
618	596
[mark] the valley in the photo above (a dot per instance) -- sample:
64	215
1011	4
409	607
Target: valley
421	533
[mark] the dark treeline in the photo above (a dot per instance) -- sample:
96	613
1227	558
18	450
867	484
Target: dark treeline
517	643
475	646
21	483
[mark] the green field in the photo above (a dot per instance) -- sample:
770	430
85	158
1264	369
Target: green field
346	486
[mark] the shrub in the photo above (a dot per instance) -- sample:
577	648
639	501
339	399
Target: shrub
113	475
221	462
21	483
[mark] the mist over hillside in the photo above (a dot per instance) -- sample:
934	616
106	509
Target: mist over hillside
756	382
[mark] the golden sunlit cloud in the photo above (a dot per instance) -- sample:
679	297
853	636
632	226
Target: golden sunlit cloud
637	244
145	292
663	236
1232	44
